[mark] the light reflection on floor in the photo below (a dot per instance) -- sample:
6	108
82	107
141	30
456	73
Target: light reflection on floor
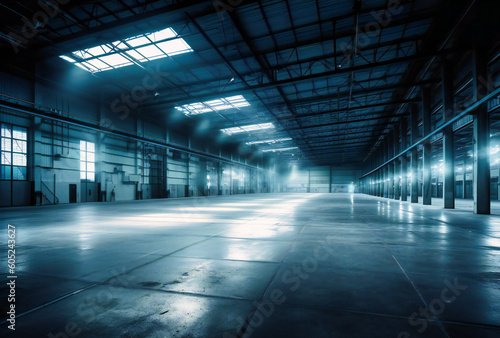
195	267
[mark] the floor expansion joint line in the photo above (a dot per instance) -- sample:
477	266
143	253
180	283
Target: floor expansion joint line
106	279
436	319
245	325
103	282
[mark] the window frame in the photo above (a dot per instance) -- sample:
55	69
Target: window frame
85	163
23	152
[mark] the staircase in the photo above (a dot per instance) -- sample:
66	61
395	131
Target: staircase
48	196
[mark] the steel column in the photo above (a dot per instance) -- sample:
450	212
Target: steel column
397	181
414	176
448	138
414	154
404	160
390	167
427	150
481	137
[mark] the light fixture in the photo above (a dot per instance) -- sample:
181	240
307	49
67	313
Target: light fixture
279	149
121	53
232	102
269	141
247	128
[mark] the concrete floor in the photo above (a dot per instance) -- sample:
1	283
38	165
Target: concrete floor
270	265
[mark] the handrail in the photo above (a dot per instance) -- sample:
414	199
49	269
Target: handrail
54	197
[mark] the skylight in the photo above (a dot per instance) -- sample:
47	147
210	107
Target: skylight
252	127
237	101
121	53
279	149
269	141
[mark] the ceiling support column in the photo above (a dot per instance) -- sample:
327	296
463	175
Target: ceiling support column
404	161
380	178
481	138
426	157
414	154
390	167
448	139
414	176
397	170
384	170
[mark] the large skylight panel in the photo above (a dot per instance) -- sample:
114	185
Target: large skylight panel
248	128
167	33
64	57
174	47
139	41
98	64
99	50
269	141
279	150
231	102
150	52
136	56
141	48
117	60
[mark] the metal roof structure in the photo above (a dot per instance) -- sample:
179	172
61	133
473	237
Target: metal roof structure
331	76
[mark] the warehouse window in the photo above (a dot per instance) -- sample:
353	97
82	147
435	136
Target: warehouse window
14	152
126	52
87	161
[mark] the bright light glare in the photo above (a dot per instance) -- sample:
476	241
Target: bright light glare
121	53
495	150
236	102
269	141
279	149
248	128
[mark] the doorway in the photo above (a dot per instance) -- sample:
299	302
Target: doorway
72	193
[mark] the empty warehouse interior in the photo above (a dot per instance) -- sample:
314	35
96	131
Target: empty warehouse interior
243	168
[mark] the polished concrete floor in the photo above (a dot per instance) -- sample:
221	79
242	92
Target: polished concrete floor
270	265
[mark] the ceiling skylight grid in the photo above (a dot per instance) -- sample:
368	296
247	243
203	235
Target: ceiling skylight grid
248	128
269	141
233	102
279	149
121	53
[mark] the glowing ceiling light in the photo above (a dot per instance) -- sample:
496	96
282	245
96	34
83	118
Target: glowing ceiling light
248	128
232	102
495	150
269	141
121	53
279	149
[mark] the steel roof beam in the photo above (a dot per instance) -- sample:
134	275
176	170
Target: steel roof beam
343	122
328	74
382	104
